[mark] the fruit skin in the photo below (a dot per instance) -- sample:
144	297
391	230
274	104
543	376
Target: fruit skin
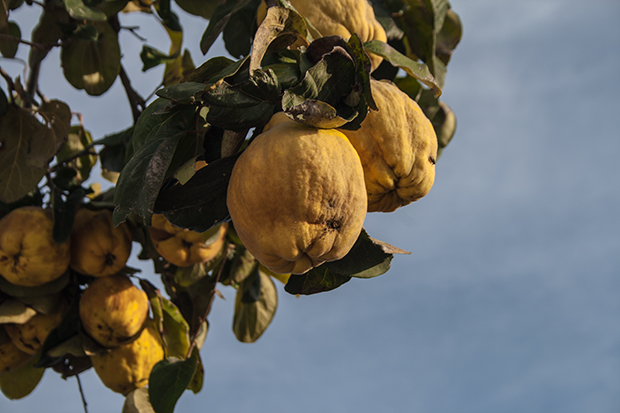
30	336
339	17
296	196
127	367
183	247
97	247
11	357
398	148
113	310
29	256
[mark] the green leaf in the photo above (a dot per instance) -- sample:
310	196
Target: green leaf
46	31
182	92
449	36
209	69
155	140
168	380
78	140
201	202
239	31
116	150
255	306
92	65
317	280
282	24
21	382
4	103
8	48
152	57
17	176
221	16
202	8
78	10
418	70
176	331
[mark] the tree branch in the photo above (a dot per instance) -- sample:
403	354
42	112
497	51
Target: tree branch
18	40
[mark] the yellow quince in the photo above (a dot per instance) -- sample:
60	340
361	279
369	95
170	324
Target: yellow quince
97	247
398	148
113	310
29	256
183	247
11	357
296	196
127	367
30	336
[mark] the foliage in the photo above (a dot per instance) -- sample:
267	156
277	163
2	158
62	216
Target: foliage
205	114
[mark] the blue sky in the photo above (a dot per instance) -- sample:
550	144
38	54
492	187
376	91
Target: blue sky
509	301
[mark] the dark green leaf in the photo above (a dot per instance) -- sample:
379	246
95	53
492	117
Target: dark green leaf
168	380
219	19
368	258
418	70
209	69
155	140
201	202
152	57
239	31
168	17
255	306
181	92
21	382
4	103
317	280
203	8
46	32
85	32
449	36
8	48
66	330
64	212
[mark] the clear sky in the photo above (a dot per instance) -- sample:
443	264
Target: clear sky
509	302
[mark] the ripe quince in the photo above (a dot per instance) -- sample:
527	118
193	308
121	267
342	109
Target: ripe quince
127	367
30	336
113	310
296	196
11	357
338	17
29	256
97	247
183	247
398	148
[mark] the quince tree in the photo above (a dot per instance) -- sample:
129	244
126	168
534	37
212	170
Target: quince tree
244	170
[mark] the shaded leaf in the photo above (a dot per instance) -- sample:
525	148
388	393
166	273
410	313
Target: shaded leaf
255	305
317	280
240	29
64	213
152	57
21	382
92	65
17	176
220	17
182	92
8	48
155	140
168	380
56	116
202	8
19	291
78	140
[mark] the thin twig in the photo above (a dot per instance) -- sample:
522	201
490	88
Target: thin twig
133	29
7	78
136	101
77	376
18	40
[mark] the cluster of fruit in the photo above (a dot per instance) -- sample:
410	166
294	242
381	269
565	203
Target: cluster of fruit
298	195
113	312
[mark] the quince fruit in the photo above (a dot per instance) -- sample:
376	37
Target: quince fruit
30	336
296	196
11	357
127	367
29	256
97	247
113	310
338	17
183	247
398	148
